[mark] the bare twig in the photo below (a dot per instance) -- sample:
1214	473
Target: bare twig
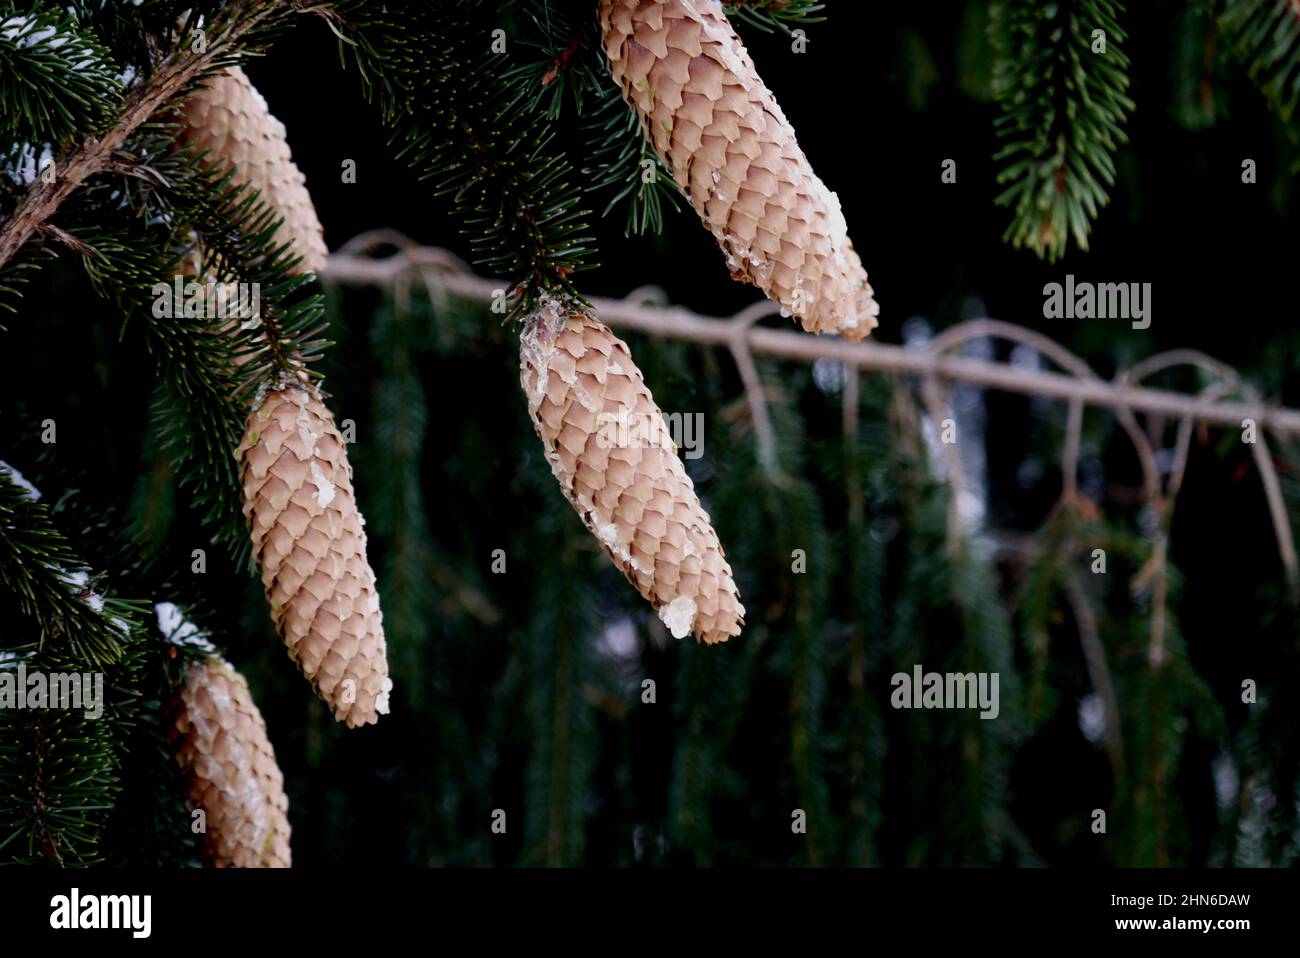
1276	507
1094	656
677	323
1070	455
738	344
935	404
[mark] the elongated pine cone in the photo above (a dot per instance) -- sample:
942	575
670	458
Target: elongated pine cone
230	770
310	541
734	155
229	120
608	445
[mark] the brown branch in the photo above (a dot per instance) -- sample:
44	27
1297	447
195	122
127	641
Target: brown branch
677	323
96	153
1094	656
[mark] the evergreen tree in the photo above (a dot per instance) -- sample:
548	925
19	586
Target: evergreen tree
185	469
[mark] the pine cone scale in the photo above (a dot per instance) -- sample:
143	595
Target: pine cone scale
230	769
735	157
310	543
228	120
634	497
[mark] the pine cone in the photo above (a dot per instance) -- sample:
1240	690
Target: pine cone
309	539
230	121
734	155
230	769
607	443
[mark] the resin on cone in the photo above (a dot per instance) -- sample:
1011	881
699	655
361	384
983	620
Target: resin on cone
734	155
230	770
607	444
229	120
310	541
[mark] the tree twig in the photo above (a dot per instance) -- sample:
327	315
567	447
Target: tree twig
677	323
94	154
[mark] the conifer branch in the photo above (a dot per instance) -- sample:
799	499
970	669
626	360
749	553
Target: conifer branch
1060	80
177	72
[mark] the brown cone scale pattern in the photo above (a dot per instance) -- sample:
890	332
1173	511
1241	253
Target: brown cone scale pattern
309	539
230	770
607	444
229	120
734	155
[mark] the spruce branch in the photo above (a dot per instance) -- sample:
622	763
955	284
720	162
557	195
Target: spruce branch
625	164
775	15
1265	37
567	65
483	140
176	73
52	585
209	369
56	81
1063	107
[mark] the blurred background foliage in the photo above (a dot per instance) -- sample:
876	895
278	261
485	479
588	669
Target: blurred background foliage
523	691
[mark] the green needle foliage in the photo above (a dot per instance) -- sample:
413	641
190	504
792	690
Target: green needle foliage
459	120
774	15
55	79
1265	37
59	766
1062	110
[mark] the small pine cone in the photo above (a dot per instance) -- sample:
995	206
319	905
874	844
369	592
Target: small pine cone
607	443
230	121
734	155
230	769
310	541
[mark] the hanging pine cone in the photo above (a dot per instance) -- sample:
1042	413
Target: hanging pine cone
587	398
734	155
310	542
230	769
230	121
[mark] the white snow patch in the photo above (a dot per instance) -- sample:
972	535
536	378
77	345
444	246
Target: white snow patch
608	534
679	615
95	601
305	431
381	700
325	490
17	479
14	27
179	630
77	580
25	163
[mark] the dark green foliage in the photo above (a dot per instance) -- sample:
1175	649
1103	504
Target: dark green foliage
50	584
1197	73
60	766
458	119
1063	109
770	15
1265	38
56	81
559	653
626	167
